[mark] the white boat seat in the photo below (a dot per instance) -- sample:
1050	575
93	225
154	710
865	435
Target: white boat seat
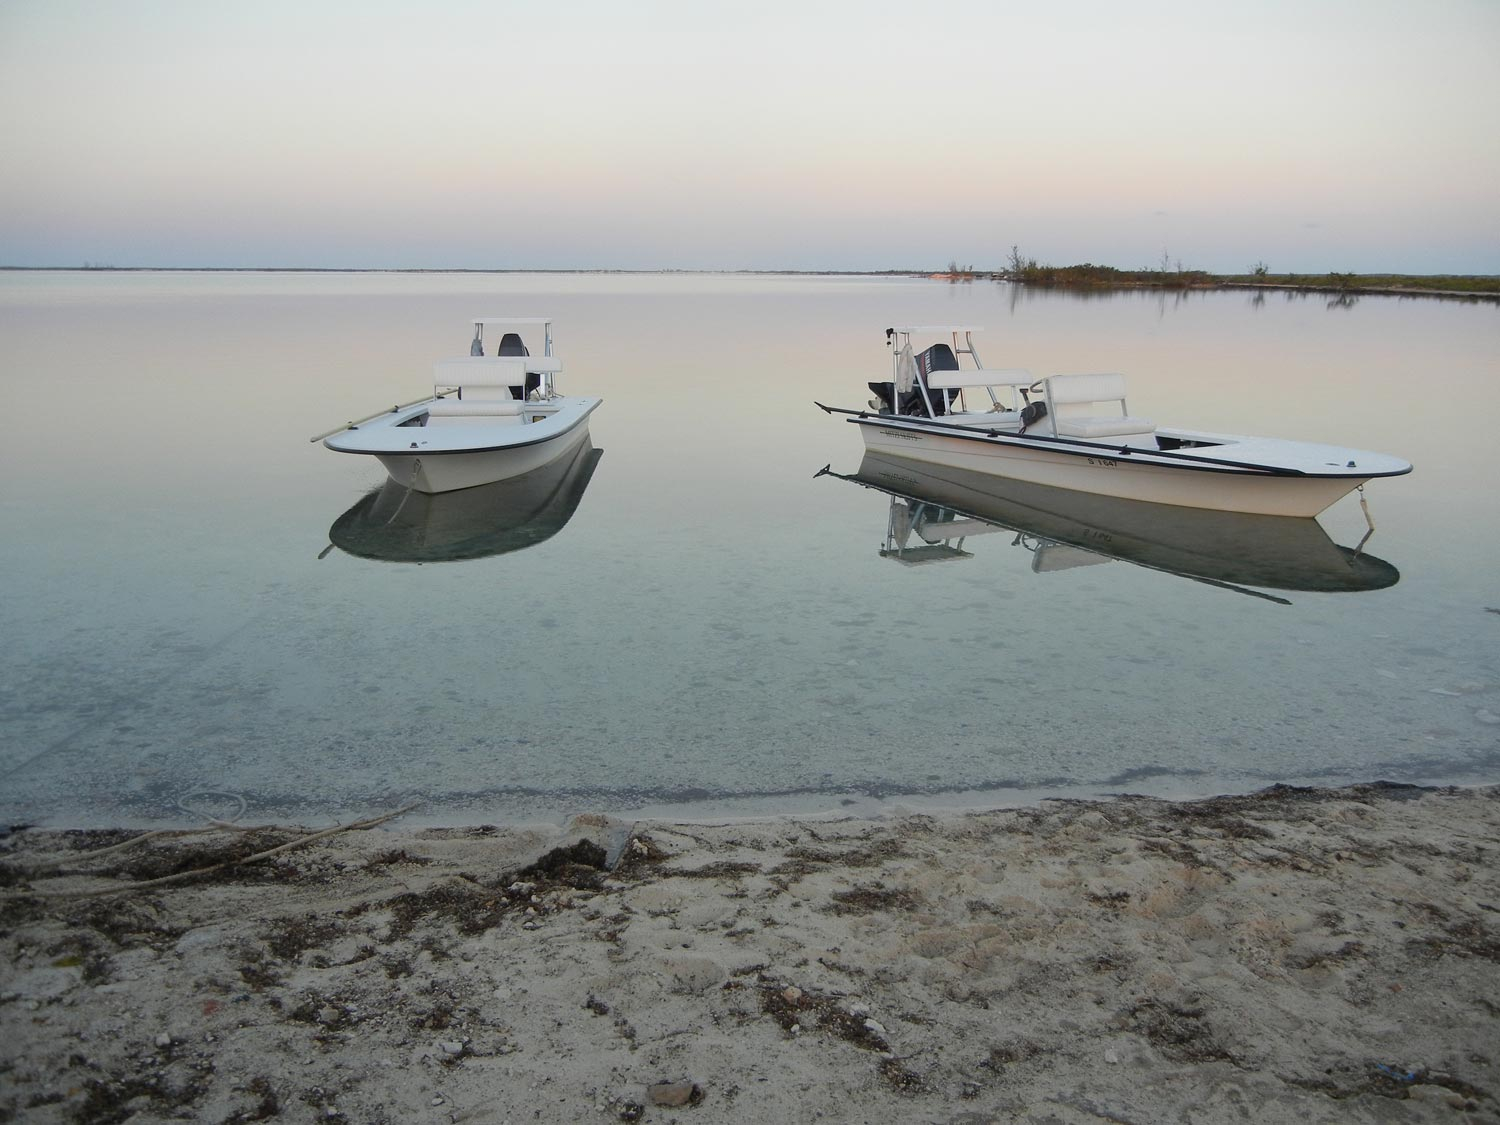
471	408
1091	429
1002	419
492	371
1092	408
954	380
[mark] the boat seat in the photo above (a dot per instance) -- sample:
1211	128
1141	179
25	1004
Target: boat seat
491	371
1092	408
475	408
501	376
984	377
1092	429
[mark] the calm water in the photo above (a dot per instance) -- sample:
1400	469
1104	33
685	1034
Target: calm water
699	622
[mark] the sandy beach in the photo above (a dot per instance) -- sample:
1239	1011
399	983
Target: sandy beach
1294	955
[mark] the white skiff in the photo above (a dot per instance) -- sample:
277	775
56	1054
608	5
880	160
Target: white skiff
490	417
1075	432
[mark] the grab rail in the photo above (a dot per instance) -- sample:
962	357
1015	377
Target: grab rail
1117	450
377	414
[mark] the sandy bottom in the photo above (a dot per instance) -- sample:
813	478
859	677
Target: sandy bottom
1290	956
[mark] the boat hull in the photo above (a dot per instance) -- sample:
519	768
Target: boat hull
1106	473
448	472
430	457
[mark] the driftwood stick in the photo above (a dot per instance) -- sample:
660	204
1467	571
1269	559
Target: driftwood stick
185	875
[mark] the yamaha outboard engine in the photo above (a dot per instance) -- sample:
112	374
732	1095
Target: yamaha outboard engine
939	357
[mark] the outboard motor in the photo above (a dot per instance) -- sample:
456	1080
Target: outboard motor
939	357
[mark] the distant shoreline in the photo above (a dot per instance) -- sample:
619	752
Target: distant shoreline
1353	289
1087	277
455	269
1486	287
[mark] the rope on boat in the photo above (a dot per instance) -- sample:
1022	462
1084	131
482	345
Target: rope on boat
416	467
1364	506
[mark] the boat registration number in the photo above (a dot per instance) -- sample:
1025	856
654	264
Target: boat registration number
1104	462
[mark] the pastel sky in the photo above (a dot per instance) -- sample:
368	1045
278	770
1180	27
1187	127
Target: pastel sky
1311	135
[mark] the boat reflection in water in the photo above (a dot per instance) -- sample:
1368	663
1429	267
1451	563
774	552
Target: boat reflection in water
396	524
935	510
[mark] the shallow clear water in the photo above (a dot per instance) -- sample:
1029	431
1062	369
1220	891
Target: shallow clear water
713	629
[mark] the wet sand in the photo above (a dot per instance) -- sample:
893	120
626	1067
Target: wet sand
1293	955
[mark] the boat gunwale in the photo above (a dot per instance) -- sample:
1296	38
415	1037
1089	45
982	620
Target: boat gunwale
419	408
1073	447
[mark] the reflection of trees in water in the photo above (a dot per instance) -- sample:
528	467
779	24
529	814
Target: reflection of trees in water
1161	295
1336	296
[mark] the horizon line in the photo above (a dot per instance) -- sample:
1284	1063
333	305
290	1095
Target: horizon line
971	273
474	269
